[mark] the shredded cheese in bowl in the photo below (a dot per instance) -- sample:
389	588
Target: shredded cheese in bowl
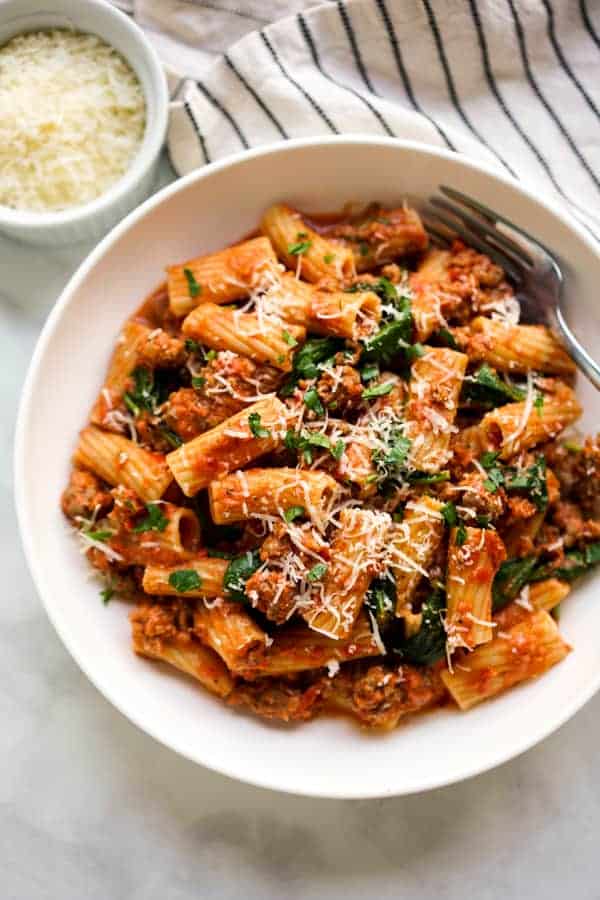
72	118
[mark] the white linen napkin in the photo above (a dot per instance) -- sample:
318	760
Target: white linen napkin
511	81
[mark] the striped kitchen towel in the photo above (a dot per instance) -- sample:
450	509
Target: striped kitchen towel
512	81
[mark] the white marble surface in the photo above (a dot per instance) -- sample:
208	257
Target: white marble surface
91	808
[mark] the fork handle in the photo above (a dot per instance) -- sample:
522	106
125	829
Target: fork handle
579	354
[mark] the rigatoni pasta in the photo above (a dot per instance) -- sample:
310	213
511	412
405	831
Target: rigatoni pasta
220	277
324	467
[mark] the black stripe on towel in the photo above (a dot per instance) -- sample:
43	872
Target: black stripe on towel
259	101
199	134
225	113
489	74
536	88
404	74
439	43
588	23
305	31
563	61
298	86
348	28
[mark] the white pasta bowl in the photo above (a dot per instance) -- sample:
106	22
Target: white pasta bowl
207	210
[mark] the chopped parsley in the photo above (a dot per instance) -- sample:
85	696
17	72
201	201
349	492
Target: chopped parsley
532	481
194	288
101	536
107	593
304	442
461	534
328	258
185	580
378	390
193	346
289	339
293	512
539	403
337	451
313	402
154	520
310	359
256	428
198	381
449	514
238	572
426	478
390	462
317	572
301	246
144	395
363	248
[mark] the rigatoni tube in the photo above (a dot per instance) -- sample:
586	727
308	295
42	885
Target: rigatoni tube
234	443
305	250
474	557
435	382
200	577
526	650
242	494
118	460
221	277
265	341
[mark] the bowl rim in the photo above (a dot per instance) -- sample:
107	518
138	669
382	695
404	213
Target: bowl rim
472	768
152	139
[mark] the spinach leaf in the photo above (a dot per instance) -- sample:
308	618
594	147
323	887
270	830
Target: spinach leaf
485	388
429	643
238	572
576	563
511	578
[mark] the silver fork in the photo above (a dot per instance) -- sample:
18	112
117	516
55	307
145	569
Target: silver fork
535	273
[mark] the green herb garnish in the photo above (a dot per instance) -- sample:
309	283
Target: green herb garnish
461	534
185	580
449	514
378	390
154	520
313	401
101	536
238	572
289	339
317	572
293	512
256	428
301	246
194	288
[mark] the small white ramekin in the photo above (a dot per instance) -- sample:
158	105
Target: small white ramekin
91	220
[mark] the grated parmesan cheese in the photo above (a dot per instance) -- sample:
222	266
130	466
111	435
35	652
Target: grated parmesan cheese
72	117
